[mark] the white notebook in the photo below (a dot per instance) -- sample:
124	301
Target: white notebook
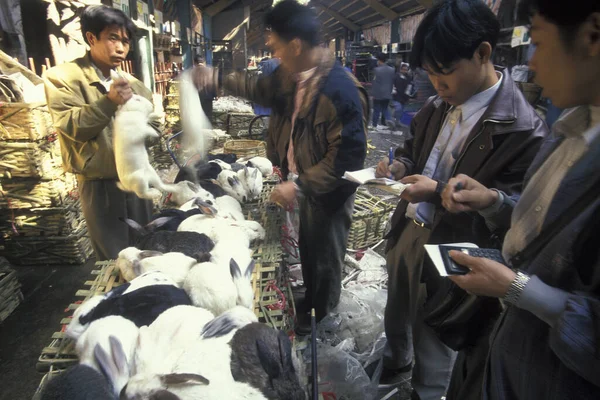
367	177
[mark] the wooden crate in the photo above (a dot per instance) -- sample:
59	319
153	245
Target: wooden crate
23	121
21	159
48	250
368	220
60	353
33	193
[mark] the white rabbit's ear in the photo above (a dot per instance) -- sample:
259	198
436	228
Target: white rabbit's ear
149	253
254	173
179	378
249	269
157	223
115	366
234	269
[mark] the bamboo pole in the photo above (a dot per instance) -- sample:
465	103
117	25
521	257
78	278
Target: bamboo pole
32	65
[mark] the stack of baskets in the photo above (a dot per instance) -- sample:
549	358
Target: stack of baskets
10	290
40	217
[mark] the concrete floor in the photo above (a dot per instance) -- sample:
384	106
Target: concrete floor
48	290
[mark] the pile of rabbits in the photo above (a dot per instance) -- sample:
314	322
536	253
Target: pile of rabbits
185	352
183	327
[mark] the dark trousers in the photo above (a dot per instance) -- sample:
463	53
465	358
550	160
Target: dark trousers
407	334
322	242
404	265
469	370
103	203
381	108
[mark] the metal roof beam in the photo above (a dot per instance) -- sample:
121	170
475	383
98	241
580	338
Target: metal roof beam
382	9
343	20
352	14
217	7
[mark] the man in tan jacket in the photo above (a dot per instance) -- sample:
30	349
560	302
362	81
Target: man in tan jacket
83	100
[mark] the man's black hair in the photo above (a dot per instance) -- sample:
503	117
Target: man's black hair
452	30
96	18
198	59
567	16
291	20
382	57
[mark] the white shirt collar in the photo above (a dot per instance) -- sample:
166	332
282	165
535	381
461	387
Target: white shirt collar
480	100
303	76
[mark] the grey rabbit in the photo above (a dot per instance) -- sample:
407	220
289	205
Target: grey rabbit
78	383
262	357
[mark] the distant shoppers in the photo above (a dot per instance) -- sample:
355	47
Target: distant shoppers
403	90
348	66
547	343
207	94
381	90
479	122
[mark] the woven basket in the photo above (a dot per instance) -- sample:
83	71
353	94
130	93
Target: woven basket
246	148
30	193
532	91
52	221
368	220
39	159
48	250
24	121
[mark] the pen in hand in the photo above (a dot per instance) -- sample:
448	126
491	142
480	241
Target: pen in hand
390	161
458	187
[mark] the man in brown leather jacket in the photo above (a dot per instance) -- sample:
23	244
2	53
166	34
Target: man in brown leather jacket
480	123
317	131
83	100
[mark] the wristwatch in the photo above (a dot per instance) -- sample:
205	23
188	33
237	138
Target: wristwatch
516	288
440	187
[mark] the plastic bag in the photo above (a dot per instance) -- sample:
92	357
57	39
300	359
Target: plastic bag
342	375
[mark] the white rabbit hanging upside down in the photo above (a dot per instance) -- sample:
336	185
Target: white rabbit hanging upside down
131	130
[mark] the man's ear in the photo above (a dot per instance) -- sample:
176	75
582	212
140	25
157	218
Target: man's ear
91	38
296	46
591	32
483	52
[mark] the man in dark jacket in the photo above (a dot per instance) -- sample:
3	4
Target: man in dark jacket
317	131
207	95
381	89
546	343
479	122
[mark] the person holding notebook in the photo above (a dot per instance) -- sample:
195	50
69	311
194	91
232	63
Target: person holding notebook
479	122
546	343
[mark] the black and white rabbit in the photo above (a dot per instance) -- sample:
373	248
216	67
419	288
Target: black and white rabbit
262	357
